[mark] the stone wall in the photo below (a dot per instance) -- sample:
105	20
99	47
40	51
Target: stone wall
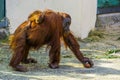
108	20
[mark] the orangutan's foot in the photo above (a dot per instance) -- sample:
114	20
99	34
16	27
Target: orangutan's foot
54	66
20	68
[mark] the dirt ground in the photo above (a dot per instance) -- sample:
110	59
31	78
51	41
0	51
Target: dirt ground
106	66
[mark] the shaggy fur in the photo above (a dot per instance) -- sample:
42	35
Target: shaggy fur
42	28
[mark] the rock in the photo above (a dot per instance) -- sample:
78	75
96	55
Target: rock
3	33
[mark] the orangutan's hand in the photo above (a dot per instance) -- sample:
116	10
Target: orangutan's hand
88	63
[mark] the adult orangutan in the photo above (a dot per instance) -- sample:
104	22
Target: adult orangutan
42	28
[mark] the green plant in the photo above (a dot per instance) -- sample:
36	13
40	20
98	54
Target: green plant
112	51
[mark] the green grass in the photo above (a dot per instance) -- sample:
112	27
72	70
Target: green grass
112	51
94	35
4	41
110	54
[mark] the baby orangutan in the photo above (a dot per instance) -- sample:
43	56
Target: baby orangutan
42	28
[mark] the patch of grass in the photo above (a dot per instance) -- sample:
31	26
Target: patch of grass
67	56
92	39
4	41
104	56
110	54
112	51
98	33
94	35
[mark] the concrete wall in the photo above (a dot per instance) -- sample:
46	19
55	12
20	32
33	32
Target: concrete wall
83	12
